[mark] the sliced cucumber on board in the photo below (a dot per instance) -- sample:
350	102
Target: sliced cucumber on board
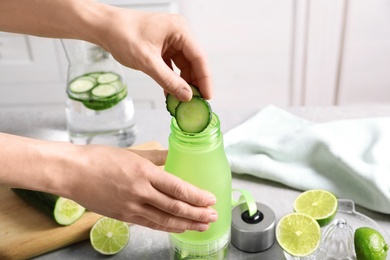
63	211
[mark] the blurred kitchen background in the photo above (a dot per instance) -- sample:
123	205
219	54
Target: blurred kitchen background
281	52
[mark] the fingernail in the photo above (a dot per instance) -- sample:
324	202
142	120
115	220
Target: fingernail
202	227
213	217
212	201
183	95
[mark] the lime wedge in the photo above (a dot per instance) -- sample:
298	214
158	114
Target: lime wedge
109	236
319	204
298	234
370	244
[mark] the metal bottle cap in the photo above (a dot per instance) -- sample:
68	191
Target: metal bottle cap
254	233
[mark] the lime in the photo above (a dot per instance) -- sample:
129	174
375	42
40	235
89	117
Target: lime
370	244
298	234
320	204
109	236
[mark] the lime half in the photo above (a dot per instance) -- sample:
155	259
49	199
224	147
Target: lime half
320	204
298	234
370	244
109	236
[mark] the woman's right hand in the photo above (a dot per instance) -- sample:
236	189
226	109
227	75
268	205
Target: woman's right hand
152	42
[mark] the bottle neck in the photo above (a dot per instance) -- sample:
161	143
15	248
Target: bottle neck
208	136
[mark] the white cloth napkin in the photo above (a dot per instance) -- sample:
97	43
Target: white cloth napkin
350	158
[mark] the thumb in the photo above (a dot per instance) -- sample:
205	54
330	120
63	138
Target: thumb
168	79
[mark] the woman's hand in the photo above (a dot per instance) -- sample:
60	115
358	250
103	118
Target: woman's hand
114	182
144	41
151	42
122	184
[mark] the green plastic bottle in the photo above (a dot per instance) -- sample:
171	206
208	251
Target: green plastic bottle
200	159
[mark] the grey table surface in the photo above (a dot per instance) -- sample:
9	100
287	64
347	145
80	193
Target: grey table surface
48	122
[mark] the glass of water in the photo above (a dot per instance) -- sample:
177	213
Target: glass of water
99	108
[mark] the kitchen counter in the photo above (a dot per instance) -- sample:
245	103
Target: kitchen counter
49	123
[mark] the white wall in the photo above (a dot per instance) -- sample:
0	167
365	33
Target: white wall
248	45
284	52
365	68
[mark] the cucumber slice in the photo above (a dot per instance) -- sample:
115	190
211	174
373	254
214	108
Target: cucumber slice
107	77
195	90
82	84
63	211
104	90
119	85
105	103
78	96
171	102
94	74
193	116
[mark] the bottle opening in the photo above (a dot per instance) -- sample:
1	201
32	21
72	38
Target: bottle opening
208	135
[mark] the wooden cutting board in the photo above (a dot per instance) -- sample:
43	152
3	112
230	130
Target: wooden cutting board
26	232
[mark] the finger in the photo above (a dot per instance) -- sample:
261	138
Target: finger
150	224
181	190
203	80
170	221
195	71
168	79
182	209
157	157
200	71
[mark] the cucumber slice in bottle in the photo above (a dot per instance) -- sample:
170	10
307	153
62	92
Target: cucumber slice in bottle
195	90
107	77
61	210
81	85
193	116
104	90
171	102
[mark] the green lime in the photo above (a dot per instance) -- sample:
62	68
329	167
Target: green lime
370	244
320	204
298	234
109	236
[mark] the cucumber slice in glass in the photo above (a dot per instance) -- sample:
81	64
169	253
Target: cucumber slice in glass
104	90
107	77
105	103
82	84
94	74
97	90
